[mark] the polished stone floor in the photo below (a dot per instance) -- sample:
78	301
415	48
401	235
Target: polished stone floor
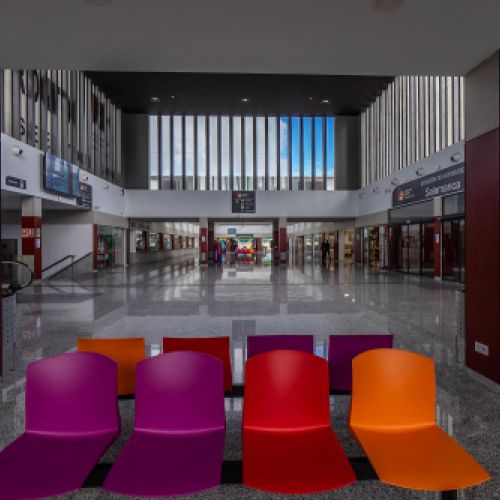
242	298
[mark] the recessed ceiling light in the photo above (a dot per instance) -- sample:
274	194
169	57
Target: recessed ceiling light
155	99
245	99
325	101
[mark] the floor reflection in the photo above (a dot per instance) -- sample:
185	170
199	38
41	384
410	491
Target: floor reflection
245	296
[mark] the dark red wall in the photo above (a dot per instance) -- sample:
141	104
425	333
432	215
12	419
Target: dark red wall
482	212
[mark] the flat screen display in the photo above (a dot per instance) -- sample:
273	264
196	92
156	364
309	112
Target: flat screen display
75	181
61	177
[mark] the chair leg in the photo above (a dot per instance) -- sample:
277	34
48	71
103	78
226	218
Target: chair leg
449	495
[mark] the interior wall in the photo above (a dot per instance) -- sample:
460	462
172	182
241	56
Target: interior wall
11	227
482	219
347	152
65	233
135	150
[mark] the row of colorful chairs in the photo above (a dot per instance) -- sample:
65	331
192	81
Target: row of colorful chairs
342	349
177	445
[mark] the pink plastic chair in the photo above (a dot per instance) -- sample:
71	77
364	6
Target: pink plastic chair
71	419
178	441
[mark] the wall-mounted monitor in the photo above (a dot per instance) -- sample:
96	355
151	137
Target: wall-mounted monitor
60	177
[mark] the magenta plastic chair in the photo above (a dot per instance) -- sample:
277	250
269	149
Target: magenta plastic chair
342	349
258	344
71	419
178	441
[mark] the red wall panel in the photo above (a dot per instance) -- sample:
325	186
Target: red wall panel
482	207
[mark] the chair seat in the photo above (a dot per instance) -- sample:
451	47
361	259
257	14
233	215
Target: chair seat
294	461
40	465
423	458
168	463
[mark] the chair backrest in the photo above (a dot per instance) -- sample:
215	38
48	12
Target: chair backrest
127	352
342	349
258	344
72	393
215	346
286	389
180	391
392	388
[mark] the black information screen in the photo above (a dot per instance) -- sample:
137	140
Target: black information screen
243	202
85	198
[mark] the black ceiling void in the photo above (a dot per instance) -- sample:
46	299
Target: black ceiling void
239	94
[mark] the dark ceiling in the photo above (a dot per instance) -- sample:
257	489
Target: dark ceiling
215	93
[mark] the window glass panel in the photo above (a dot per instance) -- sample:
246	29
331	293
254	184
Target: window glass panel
318	152
177	152
165	152
307	151
296	160
249	152
237	152
330	153
153	152
214	153
201	152
272	153
224	129
261	153
189	160
284	132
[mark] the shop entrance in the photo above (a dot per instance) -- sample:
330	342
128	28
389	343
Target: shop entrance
110	247
412	248
454	249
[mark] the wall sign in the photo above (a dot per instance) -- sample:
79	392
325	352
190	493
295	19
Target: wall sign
85	199
450	180
243	202
15	182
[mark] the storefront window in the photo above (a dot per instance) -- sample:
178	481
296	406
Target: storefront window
153	242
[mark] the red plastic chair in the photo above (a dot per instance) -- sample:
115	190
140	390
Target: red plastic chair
288	443
215	346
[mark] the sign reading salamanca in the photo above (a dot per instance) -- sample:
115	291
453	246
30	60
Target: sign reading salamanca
444	182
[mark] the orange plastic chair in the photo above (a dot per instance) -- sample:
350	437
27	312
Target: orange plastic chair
392	416
126	352
215	346
288	442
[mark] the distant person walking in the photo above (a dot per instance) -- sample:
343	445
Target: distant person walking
325	250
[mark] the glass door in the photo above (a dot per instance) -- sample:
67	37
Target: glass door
428	248
414	248
454	249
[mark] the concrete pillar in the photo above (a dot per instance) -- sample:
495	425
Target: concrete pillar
341	240
258	243
482	212
203	244
31	223
438	209
282	241
211	239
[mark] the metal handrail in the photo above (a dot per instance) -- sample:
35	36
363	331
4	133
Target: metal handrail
16	287
58	262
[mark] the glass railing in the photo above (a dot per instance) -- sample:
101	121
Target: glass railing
16	275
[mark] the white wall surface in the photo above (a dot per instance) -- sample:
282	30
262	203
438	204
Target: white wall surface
28	166
145	204
217	204
369	202
65	233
